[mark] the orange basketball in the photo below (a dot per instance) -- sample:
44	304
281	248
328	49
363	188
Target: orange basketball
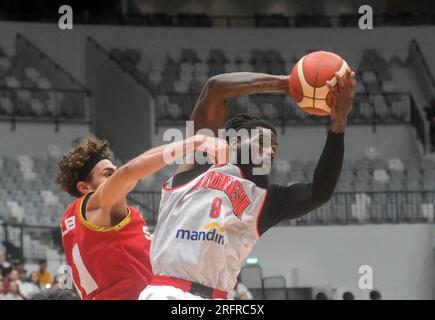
308	81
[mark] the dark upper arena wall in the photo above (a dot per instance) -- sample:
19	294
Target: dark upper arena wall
67	47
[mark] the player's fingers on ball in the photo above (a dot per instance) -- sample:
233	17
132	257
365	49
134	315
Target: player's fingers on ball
353	78
333	91
339	80
331	88
348	79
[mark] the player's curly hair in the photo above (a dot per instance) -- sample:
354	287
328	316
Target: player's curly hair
68	174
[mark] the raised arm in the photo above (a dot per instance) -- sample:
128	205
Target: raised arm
112	193
211	110
289	202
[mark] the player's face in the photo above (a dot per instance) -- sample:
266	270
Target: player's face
101	172
266	142
259	148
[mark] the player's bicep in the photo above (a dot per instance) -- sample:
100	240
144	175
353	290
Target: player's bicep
212	119
210	111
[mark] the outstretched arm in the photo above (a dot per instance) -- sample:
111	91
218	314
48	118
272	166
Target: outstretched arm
211	110
300	198
112	193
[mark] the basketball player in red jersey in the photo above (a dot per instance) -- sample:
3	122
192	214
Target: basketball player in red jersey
106	242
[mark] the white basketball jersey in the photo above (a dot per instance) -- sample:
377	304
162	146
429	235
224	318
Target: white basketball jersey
207	227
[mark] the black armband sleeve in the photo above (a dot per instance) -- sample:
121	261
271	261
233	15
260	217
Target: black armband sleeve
289	202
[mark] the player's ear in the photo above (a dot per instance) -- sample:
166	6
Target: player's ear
83	187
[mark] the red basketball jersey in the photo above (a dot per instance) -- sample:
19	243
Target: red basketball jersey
110	263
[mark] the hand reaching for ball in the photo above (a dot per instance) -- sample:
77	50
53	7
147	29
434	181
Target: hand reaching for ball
344	95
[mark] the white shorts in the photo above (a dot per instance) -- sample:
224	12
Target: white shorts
166	293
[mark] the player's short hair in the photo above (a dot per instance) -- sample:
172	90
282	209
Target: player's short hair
70	167
246	121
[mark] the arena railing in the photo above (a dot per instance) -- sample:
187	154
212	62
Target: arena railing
373	207
65	106
30	242
345	208
420	64
355	207
175	108
285	111
417	121
427	82
395	108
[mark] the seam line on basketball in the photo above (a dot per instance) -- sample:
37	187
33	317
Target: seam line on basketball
315	82
313	98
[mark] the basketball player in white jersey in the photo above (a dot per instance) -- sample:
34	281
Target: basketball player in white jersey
211	216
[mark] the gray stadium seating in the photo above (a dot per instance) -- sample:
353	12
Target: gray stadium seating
177	79
27	188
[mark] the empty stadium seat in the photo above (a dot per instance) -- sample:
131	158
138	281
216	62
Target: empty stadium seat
185	71
31	73
27	86
6	106
5	64
427	210
16	211
12	82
